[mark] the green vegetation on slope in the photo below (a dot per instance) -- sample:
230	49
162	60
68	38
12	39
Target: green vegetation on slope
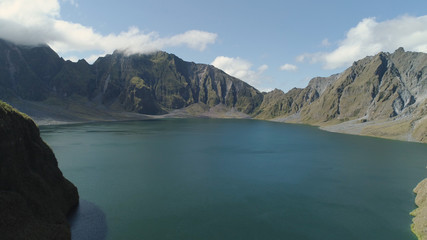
419	225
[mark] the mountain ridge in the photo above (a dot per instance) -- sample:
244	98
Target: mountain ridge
382	95
163	81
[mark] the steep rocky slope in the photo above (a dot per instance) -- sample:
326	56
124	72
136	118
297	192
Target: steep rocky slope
279	104
158	82
34	196
151	84
382	95
379	87
385	93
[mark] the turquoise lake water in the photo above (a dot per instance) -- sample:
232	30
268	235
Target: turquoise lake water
236	179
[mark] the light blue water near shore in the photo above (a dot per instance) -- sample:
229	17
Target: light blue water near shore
239	179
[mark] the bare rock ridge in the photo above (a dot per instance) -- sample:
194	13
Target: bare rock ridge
382	95
35	198
379	87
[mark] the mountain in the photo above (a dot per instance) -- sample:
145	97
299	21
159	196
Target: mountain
26	71
382	95
150	84
34	196
279	104
379	87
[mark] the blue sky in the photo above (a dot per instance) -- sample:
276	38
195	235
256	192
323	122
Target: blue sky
270	44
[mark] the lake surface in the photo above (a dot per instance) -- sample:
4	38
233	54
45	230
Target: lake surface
236	179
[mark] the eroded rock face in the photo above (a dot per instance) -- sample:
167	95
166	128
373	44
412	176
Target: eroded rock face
379	87
151	83
158	82
34	196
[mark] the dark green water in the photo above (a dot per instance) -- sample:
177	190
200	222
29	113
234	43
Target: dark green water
238	179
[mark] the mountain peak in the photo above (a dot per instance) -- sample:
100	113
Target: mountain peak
399	50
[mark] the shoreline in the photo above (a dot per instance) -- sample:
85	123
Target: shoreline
342	128
419	225
79	111
419	220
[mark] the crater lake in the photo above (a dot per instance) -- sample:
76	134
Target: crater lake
236	179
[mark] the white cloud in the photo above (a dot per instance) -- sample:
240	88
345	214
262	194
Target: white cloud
240	68
72	2
325	42
38	21
370	37
311	57
288	67
301	58
262	68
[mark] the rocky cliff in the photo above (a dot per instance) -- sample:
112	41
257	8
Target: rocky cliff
34	196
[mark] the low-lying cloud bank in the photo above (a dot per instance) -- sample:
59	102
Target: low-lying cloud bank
38	22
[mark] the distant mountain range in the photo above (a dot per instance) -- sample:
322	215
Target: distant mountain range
382	95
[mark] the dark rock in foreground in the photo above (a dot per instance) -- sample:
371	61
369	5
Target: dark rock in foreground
34	196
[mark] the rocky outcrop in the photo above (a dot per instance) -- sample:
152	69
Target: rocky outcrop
419	225
35	198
